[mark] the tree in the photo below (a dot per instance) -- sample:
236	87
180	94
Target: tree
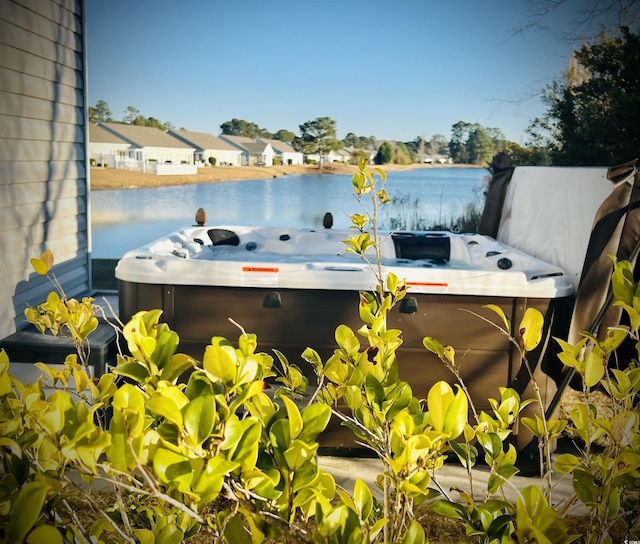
579	18
593	113
134	117
351	140
438	145
100	113
240	127
418	147
284	135
385	153
131	116
151	122
403	155
458	145
529	155
318	137
480	147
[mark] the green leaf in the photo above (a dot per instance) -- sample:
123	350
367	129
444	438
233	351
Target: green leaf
27	508
398	400
246	450
168	403
467	454
145	536
176	366
456	416
363	499
346	339
295	419
374	391
315	418
491	444
622	281
173	468
235	531
199	417
449	509
133	370
220	362
565	463
299	454
44	534
415	534
445	353
585	486
248	343
593	368
501	476
209	483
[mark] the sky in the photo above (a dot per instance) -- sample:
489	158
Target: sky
393	69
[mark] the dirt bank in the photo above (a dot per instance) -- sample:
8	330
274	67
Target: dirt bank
109	178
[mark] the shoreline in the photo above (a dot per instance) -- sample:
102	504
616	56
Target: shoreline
110	178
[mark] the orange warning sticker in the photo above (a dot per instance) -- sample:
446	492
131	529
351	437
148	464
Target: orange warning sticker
260	276
260	269
428	286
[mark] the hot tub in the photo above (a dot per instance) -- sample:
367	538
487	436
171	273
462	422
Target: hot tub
293	287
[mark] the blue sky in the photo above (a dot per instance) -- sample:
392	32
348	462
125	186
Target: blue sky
393	69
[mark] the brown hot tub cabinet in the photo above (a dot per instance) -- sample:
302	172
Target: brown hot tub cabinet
293	287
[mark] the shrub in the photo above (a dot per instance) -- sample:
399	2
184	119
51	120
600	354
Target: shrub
192	445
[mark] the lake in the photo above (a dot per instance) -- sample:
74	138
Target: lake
124	219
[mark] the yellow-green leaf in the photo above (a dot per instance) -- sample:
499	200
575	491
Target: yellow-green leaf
439	398
500	312
531	329
593	368
294	416
44	263
44	534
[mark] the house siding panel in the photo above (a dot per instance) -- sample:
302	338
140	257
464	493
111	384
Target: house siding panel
43	171
23	62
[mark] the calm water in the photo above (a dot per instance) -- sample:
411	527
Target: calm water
127	218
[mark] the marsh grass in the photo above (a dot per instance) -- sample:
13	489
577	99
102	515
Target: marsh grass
405	213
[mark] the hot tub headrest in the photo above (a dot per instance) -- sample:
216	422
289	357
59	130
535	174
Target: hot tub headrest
431	245
223	237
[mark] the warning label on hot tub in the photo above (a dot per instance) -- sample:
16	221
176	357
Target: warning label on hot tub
428	287
260	276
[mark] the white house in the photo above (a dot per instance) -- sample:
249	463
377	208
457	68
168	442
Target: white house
254	153
331	156
344	155
207	145
151	147
105	148
284	151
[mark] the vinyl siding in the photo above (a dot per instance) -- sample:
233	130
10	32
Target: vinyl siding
43	170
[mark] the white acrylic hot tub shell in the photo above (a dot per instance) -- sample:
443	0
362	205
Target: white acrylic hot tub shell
311	259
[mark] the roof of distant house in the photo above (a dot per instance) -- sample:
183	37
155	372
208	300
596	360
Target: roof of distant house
238	141
99	135
202	140
256	147
144	136
279	145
